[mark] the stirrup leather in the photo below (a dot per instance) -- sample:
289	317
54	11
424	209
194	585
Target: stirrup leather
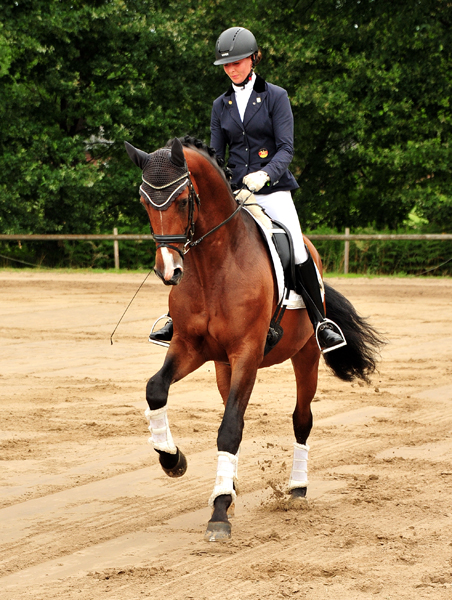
320	325
158	342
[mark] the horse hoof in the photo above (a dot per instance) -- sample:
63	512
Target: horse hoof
297	498
298	492
217	531
174	465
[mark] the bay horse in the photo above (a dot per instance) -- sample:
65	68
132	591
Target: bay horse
222	301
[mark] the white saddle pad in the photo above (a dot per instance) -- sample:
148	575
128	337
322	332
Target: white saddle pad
294	300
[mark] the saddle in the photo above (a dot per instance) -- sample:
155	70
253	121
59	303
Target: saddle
284	247
283	244
274	231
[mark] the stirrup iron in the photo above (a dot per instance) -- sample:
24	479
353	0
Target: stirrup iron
335	327
158	342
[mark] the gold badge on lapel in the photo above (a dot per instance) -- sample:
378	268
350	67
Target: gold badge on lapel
263	152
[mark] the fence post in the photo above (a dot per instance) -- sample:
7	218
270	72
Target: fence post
346	251
116	248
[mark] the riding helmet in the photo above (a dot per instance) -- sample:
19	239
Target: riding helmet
234	44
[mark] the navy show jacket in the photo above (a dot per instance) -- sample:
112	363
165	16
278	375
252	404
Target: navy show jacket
262	142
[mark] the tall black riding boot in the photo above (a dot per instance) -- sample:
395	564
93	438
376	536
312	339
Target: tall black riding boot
329	336
164	335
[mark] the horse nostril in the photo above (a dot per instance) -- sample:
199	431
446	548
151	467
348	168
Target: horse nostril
178	272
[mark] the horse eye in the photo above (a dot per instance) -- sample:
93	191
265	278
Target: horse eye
183	202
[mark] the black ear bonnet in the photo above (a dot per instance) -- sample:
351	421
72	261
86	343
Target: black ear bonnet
165	173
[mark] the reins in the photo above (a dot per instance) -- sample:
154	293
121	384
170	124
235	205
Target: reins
167	241
198	241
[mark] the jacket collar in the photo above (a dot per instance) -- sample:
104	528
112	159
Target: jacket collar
259	86
254	103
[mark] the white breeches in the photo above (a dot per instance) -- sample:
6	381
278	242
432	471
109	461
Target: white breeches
280	206
299	475
161	436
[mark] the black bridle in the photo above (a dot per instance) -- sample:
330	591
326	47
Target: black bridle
167	241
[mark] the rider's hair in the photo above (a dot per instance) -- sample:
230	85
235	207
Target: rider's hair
256	58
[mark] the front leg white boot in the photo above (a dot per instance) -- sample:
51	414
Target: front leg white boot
161	436
226	476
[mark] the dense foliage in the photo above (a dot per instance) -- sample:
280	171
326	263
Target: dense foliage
369	82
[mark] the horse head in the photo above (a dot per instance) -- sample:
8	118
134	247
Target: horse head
168	195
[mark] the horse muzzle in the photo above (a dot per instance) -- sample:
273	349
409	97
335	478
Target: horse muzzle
174	280
168	266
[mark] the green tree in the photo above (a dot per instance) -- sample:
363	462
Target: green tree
369	81
370	84
77	79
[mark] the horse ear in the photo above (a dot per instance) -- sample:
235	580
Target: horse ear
139	157
177	153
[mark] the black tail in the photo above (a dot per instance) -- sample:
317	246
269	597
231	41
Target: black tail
358	359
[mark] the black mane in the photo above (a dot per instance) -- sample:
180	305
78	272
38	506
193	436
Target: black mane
190	141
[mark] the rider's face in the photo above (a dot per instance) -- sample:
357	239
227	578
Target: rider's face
237	71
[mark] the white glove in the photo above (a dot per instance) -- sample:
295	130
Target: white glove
245	196
256	181
250	203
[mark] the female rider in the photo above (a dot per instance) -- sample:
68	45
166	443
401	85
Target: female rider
253	120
